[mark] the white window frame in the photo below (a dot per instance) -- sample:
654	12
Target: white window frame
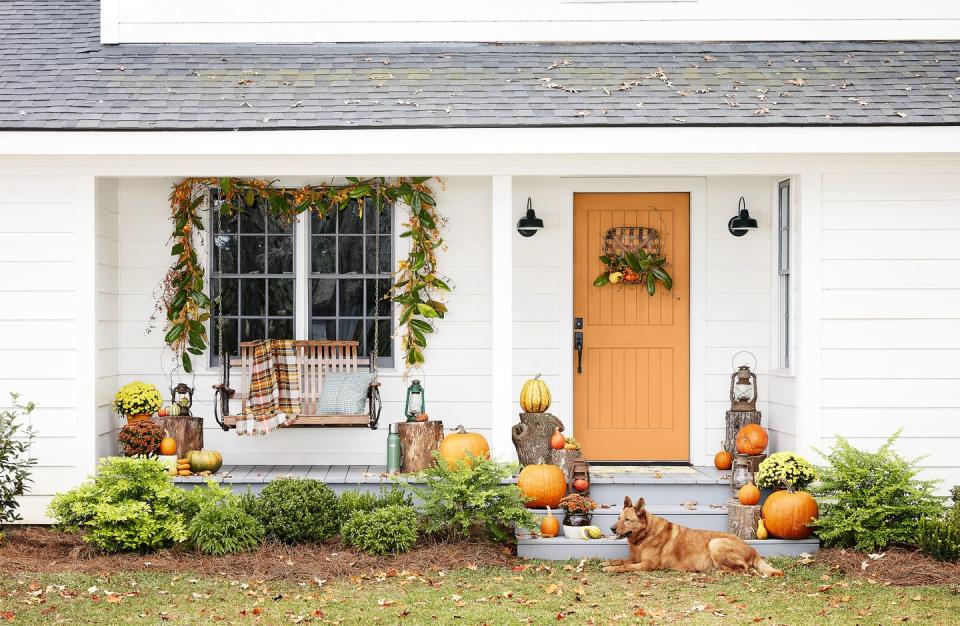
784	282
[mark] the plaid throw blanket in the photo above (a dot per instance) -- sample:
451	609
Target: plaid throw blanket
273	399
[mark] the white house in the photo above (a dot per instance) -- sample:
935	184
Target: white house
835	123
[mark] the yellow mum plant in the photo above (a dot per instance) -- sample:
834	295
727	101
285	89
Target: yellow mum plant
137	398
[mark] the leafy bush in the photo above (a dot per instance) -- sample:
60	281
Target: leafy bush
140	438
351	501
939	537
469	499
785	468
210	495
130	505
386	530
224	528
247	501
294	510
872	499
15	459
137	398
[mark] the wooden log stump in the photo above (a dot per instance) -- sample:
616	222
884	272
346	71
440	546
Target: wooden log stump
531	437
418	442
187	431
735	421
742	519
565	459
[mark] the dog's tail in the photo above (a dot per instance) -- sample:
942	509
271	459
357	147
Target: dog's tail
764	568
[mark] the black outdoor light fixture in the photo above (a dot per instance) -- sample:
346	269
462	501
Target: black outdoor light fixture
741	222
530	223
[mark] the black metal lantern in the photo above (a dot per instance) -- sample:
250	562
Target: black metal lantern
182	396
530	224
743	390
740	223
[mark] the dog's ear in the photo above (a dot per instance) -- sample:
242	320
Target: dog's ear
640	504
627	502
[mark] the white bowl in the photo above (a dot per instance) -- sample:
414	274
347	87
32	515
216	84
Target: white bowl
573	532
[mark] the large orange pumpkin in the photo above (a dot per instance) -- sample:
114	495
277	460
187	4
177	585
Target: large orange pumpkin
543	484
748	494
460	444
723	460
787	513
752	439
168	446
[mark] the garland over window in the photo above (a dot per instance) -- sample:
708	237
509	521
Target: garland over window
416	287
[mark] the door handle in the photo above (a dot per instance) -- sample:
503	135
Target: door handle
578	344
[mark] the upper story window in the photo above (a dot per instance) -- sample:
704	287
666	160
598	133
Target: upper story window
336	291
783	271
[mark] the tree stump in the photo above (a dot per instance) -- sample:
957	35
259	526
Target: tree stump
418	442
735	421
742	519
531	437
186	431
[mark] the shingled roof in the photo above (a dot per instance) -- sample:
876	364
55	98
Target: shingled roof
55	75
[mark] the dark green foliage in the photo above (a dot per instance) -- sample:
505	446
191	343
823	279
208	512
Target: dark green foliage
224	528
210	495
248	502
130	505
15	459
469	499
870	500
939	537
296	510
351	501
385	530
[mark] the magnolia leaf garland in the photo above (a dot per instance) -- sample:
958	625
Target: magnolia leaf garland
416	289
635	268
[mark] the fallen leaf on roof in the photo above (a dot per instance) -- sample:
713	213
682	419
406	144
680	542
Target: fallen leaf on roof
559	63
762	111
799	82
583	113
298	103
709	58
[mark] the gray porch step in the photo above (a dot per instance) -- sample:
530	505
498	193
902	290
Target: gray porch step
702	517
561	548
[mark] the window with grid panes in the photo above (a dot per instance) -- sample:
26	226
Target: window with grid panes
783	270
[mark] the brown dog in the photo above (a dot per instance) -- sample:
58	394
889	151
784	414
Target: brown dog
656	543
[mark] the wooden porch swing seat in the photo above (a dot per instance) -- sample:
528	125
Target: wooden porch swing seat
314	360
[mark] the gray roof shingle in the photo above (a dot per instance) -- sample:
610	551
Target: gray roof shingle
54	74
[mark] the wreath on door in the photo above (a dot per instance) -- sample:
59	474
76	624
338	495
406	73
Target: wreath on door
632	255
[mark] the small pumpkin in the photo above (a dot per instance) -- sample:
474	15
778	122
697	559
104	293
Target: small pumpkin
549	525
543	484
204	460
762	530
581	484
460	444
748	494
787	513
752	439
168	446
535	396
557	440
723	460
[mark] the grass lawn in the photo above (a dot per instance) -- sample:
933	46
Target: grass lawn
532	593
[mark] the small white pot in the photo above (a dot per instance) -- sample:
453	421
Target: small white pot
573	532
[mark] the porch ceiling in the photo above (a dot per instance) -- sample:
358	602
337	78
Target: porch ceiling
56	75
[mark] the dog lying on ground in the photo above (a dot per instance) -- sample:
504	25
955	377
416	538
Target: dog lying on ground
656	543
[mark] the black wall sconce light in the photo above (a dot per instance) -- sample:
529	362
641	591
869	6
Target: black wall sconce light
530	223
740	223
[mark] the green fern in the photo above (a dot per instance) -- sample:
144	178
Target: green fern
386	530
224	529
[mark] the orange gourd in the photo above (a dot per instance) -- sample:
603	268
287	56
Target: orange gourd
787	513
549	525
581	484
168	446
752	439
723	460
543	484
748	494
557	440
460	444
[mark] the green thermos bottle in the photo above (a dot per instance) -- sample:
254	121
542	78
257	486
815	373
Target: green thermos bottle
394	451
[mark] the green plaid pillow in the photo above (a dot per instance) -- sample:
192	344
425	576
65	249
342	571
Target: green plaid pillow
344	393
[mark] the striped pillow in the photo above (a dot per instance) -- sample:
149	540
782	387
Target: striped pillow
344	393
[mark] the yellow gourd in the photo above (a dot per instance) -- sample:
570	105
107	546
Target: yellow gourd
535	396
761	530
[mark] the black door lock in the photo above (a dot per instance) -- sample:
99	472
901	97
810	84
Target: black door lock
578	344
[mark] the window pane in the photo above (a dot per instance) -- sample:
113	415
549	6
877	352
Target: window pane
278	226
280	329
351	330
323	329
253	300
384	341
281	297
229	337
280	255
384	309
323	225
225	252
385	254
351	298
350	220
252	220
323	259
351	255
228	302
251	255
324	298
784	250
251	330
227	223
373	219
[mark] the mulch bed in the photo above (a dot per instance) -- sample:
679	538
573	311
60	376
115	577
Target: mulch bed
32	550
902	567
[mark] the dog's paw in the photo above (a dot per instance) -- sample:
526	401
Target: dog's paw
609	569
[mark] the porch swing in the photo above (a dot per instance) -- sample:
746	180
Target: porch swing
314	360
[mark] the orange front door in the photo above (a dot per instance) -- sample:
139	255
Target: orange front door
631	393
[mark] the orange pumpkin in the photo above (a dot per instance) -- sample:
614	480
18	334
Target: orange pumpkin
723	460
748	494
549	525
460	444
168	446
787	513
557	440
543	484
581	484
752	439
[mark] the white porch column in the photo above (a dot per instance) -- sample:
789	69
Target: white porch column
809	219
501	343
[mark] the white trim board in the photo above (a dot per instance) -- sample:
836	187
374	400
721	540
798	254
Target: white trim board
697	188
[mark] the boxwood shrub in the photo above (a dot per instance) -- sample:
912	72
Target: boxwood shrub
298	510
